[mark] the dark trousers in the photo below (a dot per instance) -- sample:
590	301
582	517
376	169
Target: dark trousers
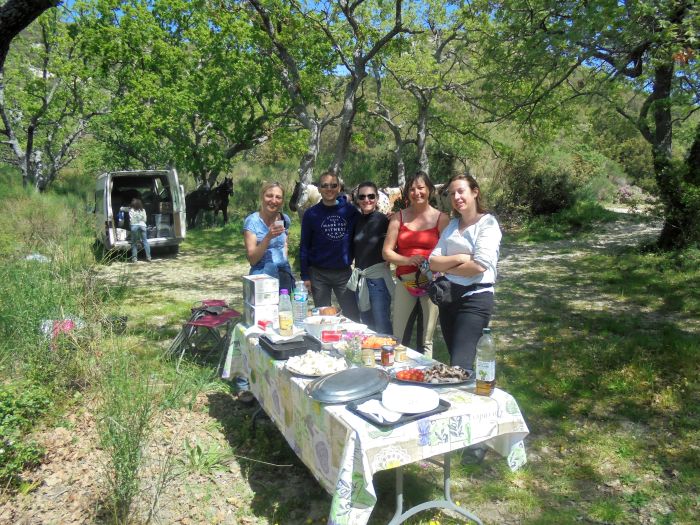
326	280
462	322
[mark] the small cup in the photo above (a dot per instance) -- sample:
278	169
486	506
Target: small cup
279	224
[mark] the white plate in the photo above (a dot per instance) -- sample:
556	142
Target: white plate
410	399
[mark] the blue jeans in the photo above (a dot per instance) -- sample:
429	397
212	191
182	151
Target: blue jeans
136	232
378	317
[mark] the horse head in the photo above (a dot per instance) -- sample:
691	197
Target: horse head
296	194
226	187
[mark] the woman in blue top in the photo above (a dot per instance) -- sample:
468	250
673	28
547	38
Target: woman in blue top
265	236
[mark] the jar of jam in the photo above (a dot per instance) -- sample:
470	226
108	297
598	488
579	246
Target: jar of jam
387	355
400	355
368	357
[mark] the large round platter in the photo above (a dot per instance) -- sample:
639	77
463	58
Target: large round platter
409	399
316	364
348	385
432	385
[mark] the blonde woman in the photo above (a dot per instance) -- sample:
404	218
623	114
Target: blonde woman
413	233
265	237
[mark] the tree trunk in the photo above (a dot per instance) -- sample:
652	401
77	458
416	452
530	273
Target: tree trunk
678	183
347	118
422	133
313	145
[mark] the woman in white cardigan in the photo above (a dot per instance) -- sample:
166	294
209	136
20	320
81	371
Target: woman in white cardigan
139	231
467	254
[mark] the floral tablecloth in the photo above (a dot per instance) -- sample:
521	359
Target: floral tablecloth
343	451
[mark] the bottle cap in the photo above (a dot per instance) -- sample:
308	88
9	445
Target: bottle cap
487	330
284	291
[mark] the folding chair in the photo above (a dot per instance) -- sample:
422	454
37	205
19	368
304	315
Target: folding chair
207	333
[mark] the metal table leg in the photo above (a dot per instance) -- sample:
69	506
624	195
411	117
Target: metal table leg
400	516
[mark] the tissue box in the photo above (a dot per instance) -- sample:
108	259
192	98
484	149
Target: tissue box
252	313
260	289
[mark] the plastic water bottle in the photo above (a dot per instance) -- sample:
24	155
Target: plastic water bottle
485	364
120	219
300	305
285	313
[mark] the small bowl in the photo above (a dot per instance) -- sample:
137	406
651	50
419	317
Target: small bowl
316	324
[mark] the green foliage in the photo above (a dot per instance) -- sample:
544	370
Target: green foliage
193	85
204	458
21	406
536	186
36	376
15	457
49	95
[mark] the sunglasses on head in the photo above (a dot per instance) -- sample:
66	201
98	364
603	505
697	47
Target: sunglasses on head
327	185
368	196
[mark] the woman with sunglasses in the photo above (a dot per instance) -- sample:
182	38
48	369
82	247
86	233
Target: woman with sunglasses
411	237
371	279
467	254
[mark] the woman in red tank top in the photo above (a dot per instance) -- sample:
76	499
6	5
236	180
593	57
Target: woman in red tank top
411	237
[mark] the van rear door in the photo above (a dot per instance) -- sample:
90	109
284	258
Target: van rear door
179	216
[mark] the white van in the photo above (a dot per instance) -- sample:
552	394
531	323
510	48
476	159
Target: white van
163	199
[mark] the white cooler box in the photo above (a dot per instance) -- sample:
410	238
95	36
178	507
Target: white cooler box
261	312
260	290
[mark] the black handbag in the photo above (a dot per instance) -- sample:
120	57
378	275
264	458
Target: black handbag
443	292
440	291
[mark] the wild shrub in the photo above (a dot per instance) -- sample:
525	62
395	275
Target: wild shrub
21	406
127	406
532	186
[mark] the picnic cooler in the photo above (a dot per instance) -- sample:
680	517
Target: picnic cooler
253	314
260	289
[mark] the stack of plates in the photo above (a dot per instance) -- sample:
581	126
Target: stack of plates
348	385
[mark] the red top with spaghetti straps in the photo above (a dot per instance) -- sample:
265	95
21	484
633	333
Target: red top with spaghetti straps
410	242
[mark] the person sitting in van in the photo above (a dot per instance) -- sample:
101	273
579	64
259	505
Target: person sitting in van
137	219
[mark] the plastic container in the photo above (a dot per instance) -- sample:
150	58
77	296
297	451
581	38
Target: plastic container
300	303
286	317
316	324
485	366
